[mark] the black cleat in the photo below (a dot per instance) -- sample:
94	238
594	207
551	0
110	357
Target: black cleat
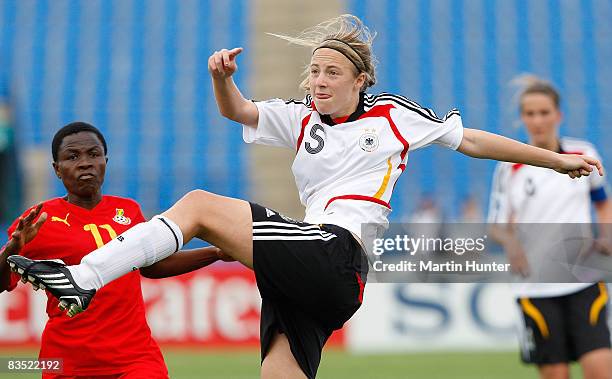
53	276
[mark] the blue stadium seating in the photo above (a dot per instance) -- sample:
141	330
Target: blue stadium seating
137	70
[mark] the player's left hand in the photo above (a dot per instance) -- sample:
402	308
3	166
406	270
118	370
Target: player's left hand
577	166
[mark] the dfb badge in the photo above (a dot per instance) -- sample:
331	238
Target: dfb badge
368	141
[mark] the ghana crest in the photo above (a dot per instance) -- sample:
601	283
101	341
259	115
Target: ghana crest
120	217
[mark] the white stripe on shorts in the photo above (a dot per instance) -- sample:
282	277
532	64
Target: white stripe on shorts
289	231
261	224
293	238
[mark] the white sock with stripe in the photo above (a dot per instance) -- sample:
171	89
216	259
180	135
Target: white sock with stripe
141	246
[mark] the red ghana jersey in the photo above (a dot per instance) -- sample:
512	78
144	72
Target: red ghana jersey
112	334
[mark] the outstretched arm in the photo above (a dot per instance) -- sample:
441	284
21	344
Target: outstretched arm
222	65
481	144
183	262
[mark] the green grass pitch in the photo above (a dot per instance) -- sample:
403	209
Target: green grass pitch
244	364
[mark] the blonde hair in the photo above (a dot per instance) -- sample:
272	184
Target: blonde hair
345	34
530	84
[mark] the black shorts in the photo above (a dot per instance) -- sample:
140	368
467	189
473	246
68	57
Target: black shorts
563	328
311	280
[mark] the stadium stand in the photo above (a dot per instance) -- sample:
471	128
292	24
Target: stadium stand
136	69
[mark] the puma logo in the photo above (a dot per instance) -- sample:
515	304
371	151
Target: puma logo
64	220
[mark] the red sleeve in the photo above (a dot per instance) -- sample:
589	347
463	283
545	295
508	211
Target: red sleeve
13	278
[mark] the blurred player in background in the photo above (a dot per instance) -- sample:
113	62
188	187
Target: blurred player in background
351	149
564	322
113	340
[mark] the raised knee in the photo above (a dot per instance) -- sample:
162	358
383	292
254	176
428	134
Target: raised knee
197	198
191	206
198	194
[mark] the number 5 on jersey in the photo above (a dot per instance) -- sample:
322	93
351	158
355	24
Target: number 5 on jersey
320	141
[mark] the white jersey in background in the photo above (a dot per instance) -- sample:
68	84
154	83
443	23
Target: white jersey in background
345	170
525	194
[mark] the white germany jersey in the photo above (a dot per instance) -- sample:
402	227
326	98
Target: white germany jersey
526	194
345	172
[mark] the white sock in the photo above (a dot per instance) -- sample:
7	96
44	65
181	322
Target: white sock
141	246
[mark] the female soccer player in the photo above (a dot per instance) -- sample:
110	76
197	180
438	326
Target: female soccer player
112	339
351	148
563	322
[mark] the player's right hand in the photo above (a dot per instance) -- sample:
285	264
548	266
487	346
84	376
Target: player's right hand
222	64
27	228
